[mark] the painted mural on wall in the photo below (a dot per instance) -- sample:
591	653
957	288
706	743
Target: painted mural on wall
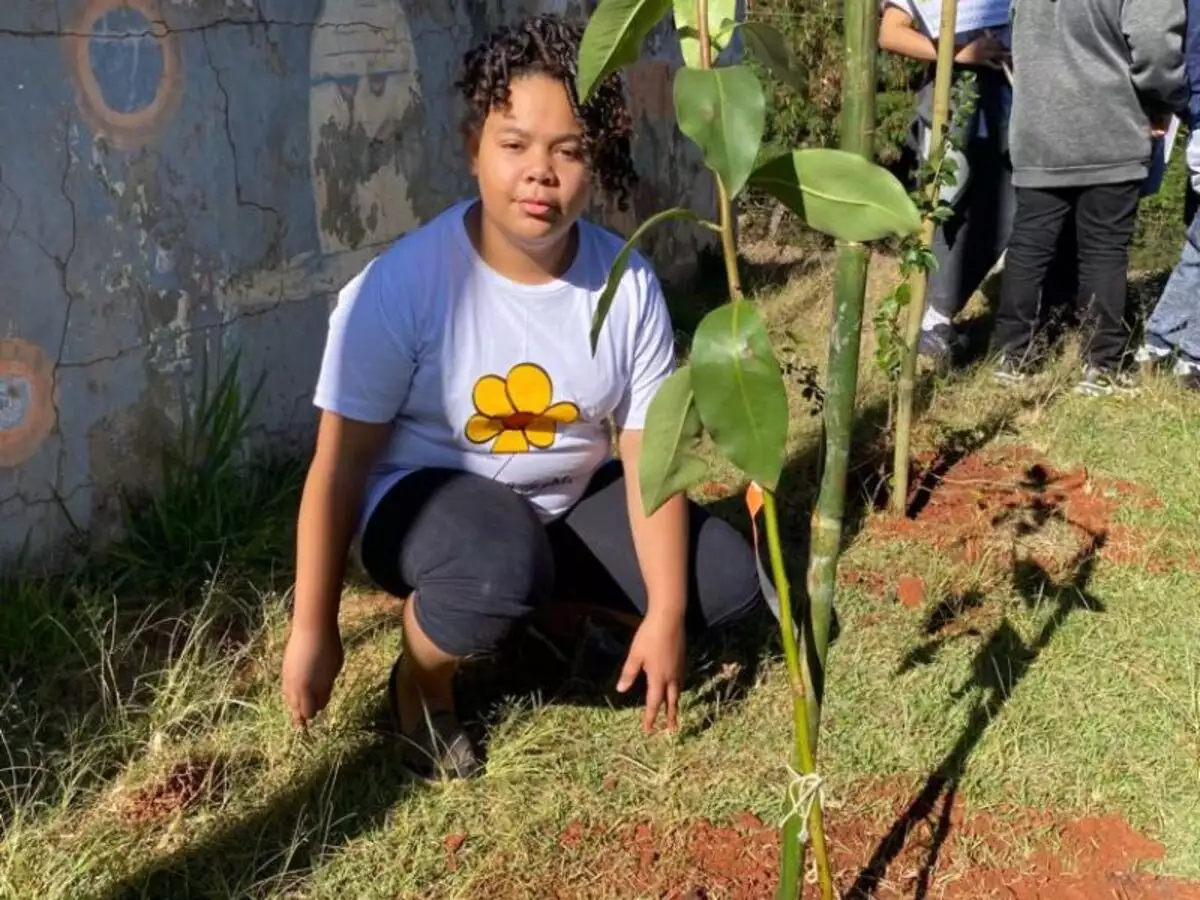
183	178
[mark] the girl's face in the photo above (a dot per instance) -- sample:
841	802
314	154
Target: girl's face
533	179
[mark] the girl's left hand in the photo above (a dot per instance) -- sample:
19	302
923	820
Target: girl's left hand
658	651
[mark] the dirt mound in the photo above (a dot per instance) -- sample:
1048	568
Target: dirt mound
178	789
995	510
926	846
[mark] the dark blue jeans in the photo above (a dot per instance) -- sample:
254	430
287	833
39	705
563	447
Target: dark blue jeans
478	560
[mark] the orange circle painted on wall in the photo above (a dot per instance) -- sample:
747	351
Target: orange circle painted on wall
127	69
26	400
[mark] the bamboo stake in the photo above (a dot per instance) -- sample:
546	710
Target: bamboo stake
920	284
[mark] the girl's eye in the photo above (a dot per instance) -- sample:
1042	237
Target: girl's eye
572	153
511	145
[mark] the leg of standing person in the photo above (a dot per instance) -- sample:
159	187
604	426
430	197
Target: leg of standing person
1174	326
1105	217
968	246
1037	225
1060	293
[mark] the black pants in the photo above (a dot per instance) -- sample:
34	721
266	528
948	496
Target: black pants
971	241
478	560
969	244
1104	217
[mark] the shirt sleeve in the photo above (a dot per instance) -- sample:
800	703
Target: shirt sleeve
368	364
653	349
1154	31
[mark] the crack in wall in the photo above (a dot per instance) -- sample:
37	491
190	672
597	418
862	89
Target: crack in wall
54	498
175	335
16	214
184	29
276	243
64	278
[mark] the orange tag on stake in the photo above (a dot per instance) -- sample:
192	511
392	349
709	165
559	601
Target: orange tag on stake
754	505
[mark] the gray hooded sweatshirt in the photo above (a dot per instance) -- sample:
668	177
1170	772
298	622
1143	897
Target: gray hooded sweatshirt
1087	76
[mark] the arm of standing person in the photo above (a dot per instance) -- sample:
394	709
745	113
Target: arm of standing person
898	34
1154	33
1191	49
660	540
365	376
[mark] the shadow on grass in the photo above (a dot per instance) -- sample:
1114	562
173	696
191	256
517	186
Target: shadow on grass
186	580
1000	665
274	848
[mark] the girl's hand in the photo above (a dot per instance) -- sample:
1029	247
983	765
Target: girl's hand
311	663
658	651
985	51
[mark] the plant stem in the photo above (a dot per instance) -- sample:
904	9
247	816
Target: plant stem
724	202
702	29
729	243
792	866
906	385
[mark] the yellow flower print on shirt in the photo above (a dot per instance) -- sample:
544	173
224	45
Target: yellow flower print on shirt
517	411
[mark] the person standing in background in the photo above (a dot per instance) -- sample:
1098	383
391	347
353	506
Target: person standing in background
1094	79
1173	329
969	244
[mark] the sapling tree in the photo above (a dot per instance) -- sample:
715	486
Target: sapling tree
919	279
732	386
917	260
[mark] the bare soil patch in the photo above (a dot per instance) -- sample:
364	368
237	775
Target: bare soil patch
182	787
889	846
994	510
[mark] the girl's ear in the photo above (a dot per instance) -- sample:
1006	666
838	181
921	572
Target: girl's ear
471	137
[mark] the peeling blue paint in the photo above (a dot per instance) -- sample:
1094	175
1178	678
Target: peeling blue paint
126	60
16	396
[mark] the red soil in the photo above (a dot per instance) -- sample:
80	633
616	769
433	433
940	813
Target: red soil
888	853
452	843
990	509
911	591
179	789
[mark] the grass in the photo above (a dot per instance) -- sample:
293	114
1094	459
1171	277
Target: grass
145	751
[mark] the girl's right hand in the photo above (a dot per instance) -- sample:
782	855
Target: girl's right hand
311	663
984	51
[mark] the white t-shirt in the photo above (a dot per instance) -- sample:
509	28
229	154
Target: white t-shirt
482	374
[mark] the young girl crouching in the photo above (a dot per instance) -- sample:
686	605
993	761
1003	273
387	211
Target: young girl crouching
464	434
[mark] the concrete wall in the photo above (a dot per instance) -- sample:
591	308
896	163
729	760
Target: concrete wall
182	178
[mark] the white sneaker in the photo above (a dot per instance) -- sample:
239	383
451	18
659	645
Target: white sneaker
1151	356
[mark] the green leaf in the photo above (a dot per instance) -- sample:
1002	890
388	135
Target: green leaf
621	262
739	390
840	194
613	39
687	26
771	49
669	462
724	112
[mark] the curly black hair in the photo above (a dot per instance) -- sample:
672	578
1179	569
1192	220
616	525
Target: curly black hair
549	45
